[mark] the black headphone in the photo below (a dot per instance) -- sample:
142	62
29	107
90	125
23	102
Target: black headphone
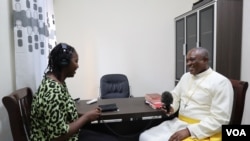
65	56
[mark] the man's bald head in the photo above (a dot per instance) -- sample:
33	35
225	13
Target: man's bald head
197	60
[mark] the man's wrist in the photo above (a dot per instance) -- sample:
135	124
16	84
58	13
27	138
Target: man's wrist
189	133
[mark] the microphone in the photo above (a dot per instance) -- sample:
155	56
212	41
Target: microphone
167	100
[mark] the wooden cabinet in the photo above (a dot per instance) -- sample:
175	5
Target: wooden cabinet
217	26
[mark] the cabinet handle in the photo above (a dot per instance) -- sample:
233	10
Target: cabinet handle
198	44
184	49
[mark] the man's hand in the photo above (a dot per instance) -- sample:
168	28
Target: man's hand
180	135
168	113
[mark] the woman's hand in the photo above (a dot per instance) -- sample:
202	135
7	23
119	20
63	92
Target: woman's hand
93	114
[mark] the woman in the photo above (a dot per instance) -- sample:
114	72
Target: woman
53	113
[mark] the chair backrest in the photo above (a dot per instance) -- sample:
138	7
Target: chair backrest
114	86
240	88
18	105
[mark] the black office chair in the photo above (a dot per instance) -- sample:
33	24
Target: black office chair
114	86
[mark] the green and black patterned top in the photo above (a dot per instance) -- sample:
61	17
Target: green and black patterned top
52	110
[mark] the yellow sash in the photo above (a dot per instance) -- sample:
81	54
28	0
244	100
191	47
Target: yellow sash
215	137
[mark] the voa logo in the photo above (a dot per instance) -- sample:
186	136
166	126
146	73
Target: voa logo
236	132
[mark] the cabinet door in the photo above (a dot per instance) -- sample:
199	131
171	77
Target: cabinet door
186	38
191	31
180	40
206	31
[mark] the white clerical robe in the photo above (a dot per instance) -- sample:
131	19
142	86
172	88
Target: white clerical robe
206	98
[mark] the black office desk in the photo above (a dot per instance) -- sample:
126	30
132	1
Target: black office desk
128	108
132	112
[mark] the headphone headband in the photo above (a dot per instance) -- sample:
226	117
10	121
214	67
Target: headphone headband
64	47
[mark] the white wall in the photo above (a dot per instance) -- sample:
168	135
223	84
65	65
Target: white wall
141	32
7	66
245	65
134	37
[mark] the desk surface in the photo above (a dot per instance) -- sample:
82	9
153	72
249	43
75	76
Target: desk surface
134	107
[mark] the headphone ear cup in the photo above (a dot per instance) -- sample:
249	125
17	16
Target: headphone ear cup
64	61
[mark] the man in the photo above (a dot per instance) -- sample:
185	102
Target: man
204	99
